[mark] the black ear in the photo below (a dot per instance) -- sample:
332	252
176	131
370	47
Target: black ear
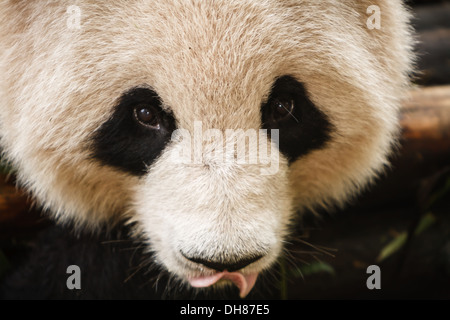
304	127
124	142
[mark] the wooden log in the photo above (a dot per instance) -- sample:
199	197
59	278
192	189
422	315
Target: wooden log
433	51
12	201
432	24
425	122
425	149
432	15
18	216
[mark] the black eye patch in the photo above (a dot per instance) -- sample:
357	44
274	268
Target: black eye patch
302	127
136	133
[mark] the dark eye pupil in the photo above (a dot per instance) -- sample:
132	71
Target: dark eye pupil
282	108
146	115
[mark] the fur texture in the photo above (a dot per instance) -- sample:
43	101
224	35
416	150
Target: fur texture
209	61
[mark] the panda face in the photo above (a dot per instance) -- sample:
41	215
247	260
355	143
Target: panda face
213	213
131	116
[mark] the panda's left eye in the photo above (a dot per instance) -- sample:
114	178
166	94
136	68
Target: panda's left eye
136	133
302	126
281	108
147	115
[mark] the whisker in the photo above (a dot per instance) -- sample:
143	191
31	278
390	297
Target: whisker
319	248
291	112
139	268
115	241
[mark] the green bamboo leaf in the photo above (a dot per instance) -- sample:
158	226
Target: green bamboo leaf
312	268
427	221
399	241
393	246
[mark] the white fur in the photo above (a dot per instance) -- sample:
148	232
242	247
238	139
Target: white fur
210	61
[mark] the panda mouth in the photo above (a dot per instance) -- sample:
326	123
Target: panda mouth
244	282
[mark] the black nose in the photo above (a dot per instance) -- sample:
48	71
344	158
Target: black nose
225	265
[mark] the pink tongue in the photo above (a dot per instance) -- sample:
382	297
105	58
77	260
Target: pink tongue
245	283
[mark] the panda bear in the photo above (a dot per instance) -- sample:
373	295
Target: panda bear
176	143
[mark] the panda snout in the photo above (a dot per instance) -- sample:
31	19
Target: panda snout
225	265
224	225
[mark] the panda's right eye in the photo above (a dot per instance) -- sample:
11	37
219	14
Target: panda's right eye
147	115
136	133
302	126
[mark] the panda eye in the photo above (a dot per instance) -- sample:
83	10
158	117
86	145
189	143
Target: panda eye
302	127
281	109
136	133
147	115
